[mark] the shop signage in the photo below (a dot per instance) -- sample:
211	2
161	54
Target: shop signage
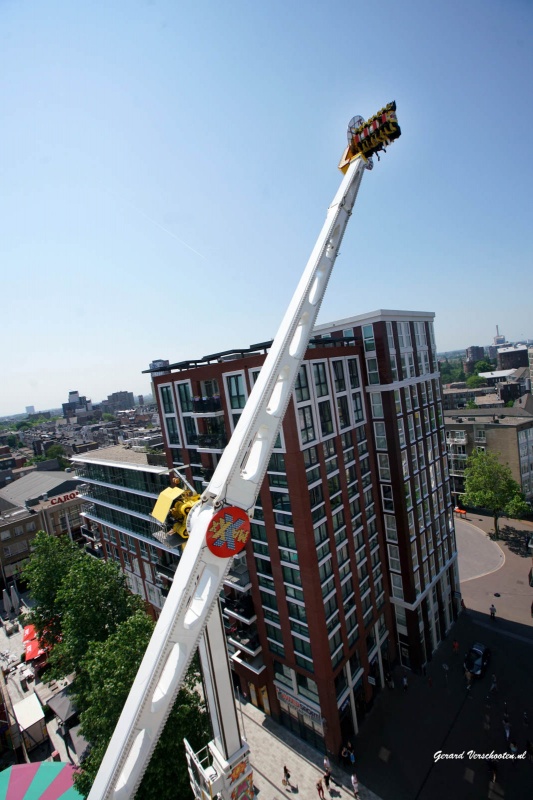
64	498
303	708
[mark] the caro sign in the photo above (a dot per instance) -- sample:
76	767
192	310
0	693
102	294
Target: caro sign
64	498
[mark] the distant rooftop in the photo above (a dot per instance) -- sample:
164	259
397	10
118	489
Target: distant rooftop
512	348
119	455
501	373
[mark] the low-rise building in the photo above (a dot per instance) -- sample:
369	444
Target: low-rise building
508	433
46	501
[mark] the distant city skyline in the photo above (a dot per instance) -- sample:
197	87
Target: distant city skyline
168	168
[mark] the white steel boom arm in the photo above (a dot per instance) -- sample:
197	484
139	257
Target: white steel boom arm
236	482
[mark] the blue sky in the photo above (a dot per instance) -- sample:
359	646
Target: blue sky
167	165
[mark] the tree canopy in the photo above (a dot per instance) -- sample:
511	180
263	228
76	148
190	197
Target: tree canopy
483	366
51	561
107	672
489	484
99	630
474	382
93	599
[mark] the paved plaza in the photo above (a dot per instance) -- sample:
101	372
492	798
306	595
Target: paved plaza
397	742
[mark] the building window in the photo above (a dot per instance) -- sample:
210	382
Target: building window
368	338
358	412
190	430
307	428
386	493
326	420
384	467
235	384
172	430
372	369
390	528
321	381
302	386
166	399
353	372
184	394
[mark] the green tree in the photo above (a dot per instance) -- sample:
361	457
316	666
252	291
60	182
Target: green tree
471	404
489	484
106	674
483	366
51	561
57	451
108	417
93	600
474	382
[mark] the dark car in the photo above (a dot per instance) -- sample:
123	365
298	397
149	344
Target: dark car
477	659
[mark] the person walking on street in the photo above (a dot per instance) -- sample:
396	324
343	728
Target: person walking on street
327	765
320	789
286	776
493	611
355	786
327	778
507	729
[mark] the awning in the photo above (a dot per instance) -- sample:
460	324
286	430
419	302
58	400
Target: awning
62	705
164	502
33	650
29	633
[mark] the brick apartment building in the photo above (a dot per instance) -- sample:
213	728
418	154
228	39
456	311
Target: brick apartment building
353	563
508	432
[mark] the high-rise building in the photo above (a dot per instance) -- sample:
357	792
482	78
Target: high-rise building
352	560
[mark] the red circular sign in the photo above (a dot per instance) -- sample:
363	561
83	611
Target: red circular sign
228	532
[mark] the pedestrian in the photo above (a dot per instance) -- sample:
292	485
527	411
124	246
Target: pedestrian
493	611
351	752
405	684
455	647
507	729
327	765
355	786
286	776
327	776
320	789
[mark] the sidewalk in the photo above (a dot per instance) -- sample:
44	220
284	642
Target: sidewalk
508	587
273	746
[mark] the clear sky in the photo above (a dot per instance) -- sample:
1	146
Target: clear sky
166	167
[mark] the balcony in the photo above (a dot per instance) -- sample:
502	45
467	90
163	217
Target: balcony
212	442
249	644
207	406
457	437
166	571
238	578
241	609
88	533
255	664
95	552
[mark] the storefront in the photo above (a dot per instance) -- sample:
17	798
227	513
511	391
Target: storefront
301	718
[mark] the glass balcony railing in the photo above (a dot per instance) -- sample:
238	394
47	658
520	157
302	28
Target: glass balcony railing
212	441
206	405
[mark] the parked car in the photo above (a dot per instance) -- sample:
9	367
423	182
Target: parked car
477	659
